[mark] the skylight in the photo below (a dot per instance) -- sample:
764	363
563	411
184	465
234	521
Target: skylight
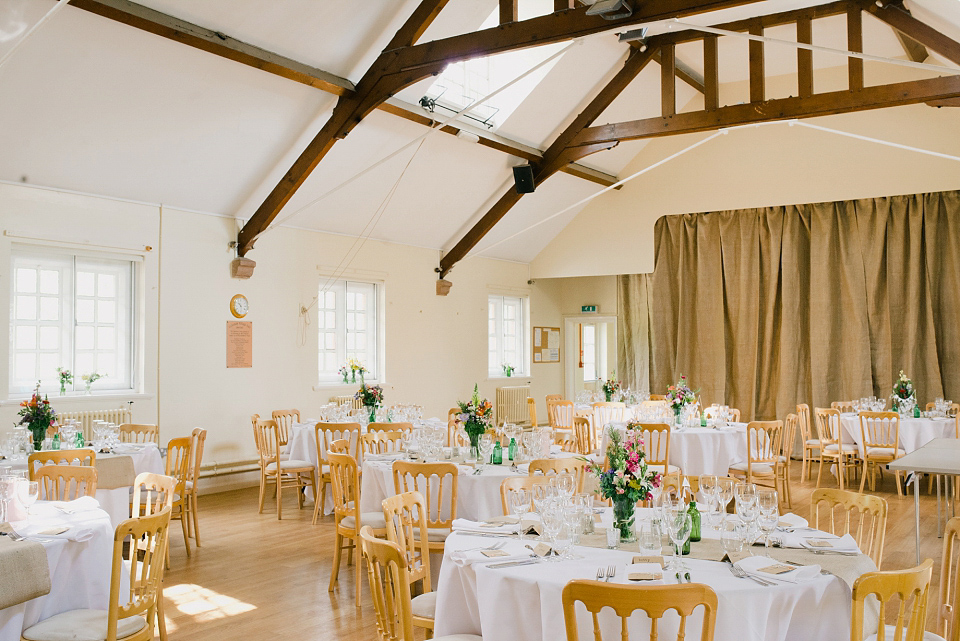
462	83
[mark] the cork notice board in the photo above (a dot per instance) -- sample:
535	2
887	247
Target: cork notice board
239	344
546	344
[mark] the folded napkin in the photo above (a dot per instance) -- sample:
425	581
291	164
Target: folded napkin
643	574
387	456
485	527
846	543
82	504
78	533
797	540
555	449
766	568
512	551
790	520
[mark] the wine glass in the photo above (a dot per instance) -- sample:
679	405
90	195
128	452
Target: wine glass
520	504
485	446
725	487
7	484
769	509
709	490
565	484
542	493
28	492
552	518
748	513
679	526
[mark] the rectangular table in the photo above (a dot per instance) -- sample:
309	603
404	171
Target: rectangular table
939	456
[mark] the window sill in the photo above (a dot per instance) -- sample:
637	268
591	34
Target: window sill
84	398
321	387
500	379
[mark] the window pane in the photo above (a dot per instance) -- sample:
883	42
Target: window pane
85	337
84	364
26	337
27	281
106	285
49	282
47	365
84	311
85	284
25	366
26	308
106	311
49	338
49	308
330	361
331	320
331	300
330	340
106	338
351	325
106	363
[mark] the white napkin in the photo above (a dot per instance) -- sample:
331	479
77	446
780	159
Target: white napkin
515	551
753	564
387	456
555	449
791	520
465	525
796	540
76	533
82	504
846	543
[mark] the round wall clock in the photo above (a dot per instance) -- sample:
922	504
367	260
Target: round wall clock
239	306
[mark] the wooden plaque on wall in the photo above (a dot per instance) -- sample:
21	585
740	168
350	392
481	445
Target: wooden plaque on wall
546	344
239	344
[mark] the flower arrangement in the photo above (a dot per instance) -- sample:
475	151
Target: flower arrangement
508	369
369	395
90	379
624	477
37	415
611	387
680	395
66	378
903	391
352	369
476	416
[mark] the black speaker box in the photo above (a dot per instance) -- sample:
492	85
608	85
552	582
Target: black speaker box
523	177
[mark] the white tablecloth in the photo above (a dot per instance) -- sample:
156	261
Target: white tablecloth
524	602
914	432
702	450
79	572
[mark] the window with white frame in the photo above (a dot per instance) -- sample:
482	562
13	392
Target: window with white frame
506	335
72	311
348	325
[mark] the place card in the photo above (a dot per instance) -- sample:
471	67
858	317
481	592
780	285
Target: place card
53	531
645	576
649	559
493	553
542	549
778	568
497	521
819	543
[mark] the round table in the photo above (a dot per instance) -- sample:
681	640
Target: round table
914	432
79	571
524	602
702	450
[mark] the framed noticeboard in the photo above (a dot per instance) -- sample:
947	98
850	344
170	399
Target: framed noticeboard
239	344
546	344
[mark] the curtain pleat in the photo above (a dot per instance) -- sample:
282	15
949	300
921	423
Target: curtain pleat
633	330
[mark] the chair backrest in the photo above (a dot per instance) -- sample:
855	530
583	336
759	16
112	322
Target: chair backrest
789	434
584	435
863	516
828	426
436	482
345	483
152	493
907	590
136	433
327	433
511	484
406	518
380	442
803	422
552	466
145	540
843	406
66	482
36	460
561	414
656	442
349	400
178	461
199	438
953	411
267	439
285	420
254	420
389	587
624	600
880	429
340	446
676	483
389	427
532	410
554	397
604	413
658	397
950	582
764	442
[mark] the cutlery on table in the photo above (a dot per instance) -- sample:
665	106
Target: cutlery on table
740	574
512	564
801	565
840	552
687	577
599	574
611	570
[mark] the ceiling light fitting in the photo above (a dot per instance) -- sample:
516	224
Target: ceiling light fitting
610	9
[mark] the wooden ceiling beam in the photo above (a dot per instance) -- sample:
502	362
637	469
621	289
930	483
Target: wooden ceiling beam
557	155
900	19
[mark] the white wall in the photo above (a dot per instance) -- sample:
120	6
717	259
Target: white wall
435	346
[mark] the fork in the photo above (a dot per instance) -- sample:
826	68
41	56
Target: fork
611	570
599	574
740	574
495	546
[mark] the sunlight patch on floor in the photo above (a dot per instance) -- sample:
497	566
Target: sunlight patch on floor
204	604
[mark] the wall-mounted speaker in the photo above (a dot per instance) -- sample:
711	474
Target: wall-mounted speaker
523	178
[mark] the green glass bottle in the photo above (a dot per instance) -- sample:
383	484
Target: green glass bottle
497	457
56	441
916	411
694	521
703	419
80	441
512	451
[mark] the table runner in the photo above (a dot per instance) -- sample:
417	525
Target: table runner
115	471
25	574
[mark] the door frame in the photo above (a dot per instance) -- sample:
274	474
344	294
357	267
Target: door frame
570	361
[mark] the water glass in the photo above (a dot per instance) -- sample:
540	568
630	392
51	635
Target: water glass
649	541
679	527
27	493
613	538
731	535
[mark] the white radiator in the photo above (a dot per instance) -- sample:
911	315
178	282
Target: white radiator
511	404
86	418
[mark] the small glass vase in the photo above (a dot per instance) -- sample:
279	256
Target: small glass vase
89	392
373	413
623	518
38	433
608	395
346	377
353	377
474	447
63	389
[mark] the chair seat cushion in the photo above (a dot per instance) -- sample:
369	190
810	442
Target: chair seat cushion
290	464
847	447
814	442
424	605
435	534
373	519
757	469
459	637
884	452
890	635
81	625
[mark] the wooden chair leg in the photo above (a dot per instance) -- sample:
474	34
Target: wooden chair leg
196	523
841	471
300	487
356	570
335	570
279	495
896	479
863	478
819	471
183	525
161	620
263	484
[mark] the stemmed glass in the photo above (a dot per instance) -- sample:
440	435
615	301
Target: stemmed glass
725	486
552	516
28	492
678	526
565	483
748	512
708	490
7	485
649	541
542	493
769	514
485	447
520	503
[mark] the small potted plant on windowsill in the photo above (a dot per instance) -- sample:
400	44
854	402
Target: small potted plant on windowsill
508	369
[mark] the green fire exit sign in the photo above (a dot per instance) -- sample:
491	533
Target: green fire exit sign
588	309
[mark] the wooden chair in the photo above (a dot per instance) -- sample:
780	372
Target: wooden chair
656	447
389	427
178	467
562	421
881	445
145	540
708	412
953	411
764	465
624	600
134	433
511	484
350	400
552	466
553	397
786	453
658	397
532	410
863	516
285	473
340	446
153	493
36	460
604	413
584	436
380	442
675	483
832	447
437	482
904	591
345	483
325	433
844	407
811	444
285	420
949	577
198	439
66	482
387	571
405	516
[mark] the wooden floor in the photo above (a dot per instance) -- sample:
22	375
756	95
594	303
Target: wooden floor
256	577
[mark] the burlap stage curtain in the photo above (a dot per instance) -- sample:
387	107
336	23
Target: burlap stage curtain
766	308
633	330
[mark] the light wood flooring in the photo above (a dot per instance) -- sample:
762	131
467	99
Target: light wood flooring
256	577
